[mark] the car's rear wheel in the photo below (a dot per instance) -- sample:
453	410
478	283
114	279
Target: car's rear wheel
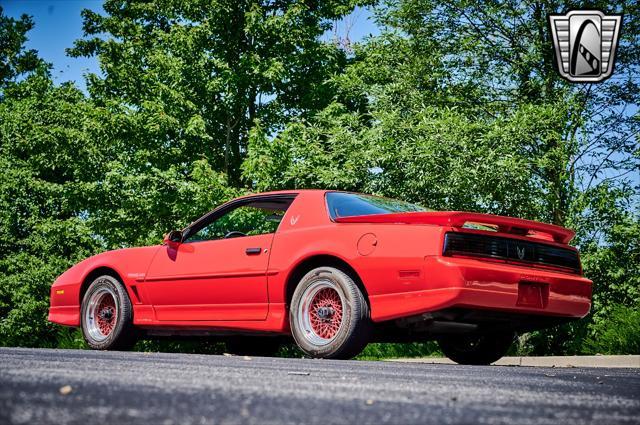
107	315
482	349
329	315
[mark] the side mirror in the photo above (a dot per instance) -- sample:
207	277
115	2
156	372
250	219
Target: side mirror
173	238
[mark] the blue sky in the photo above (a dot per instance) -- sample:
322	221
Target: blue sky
58	24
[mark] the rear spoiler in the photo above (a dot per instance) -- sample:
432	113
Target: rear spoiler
458	219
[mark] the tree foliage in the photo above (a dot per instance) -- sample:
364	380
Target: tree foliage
15	60
48	158
200	72
455	105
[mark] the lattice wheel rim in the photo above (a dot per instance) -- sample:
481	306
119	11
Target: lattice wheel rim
101	315
321	327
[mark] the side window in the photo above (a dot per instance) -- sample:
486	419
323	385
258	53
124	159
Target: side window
246	220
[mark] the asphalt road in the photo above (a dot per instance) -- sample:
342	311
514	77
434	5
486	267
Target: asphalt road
120	388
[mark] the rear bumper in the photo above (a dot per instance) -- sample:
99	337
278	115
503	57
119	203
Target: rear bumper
477	284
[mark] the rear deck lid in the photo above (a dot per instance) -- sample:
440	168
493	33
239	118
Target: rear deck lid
502	224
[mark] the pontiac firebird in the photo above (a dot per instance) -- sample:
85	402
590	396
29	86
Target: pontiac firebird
334	270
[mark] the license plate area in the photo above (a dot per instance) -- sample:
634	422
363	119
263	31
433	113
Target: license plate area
533	294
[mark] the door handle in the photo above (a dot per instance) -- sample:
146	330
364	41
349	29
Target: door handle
253	251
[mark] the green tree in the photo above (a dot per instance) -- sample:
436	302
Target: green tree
15	60
198	73
184	83
62	159
48	155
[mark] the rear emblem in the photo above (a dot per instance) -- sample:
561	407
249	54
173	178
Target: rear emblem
520	252
294	220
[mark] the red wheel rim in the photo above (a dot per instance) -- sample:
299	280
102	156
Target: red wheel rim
325	313
106	314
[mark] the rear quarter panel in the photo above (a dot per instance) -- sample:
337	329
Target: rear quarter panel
388	258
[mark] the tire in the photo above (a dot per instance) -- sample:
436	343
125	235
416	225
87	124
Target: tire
476	349
253	346
107	315
329	315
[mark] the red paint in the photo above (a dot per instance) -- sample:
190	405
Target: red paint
216	279
398	257
459	219
533	294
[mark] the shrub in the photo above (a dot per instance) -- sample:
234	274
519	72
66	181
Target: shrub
619	334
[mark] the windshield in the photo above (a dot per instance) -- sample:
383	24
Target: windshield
353	204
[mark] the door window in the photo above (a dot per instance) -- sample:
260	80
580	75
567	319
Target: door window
246	220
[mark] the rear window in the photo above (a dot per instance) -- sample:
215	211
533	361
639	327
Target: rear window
342	204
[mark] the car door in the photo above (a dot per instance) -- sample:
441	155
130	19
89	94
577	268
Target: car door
219	271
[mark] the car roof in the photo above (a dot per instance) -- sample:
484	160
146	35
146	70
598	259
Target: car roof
286	192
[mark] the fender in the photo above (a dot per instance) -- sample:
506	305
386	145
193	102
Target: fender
130	264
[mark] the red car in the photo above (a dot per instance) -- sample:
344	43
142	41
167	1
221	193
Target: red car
335	270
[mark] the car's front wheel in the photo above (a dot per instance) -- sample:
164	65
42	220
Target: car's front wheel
481	349
329	315
107	315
